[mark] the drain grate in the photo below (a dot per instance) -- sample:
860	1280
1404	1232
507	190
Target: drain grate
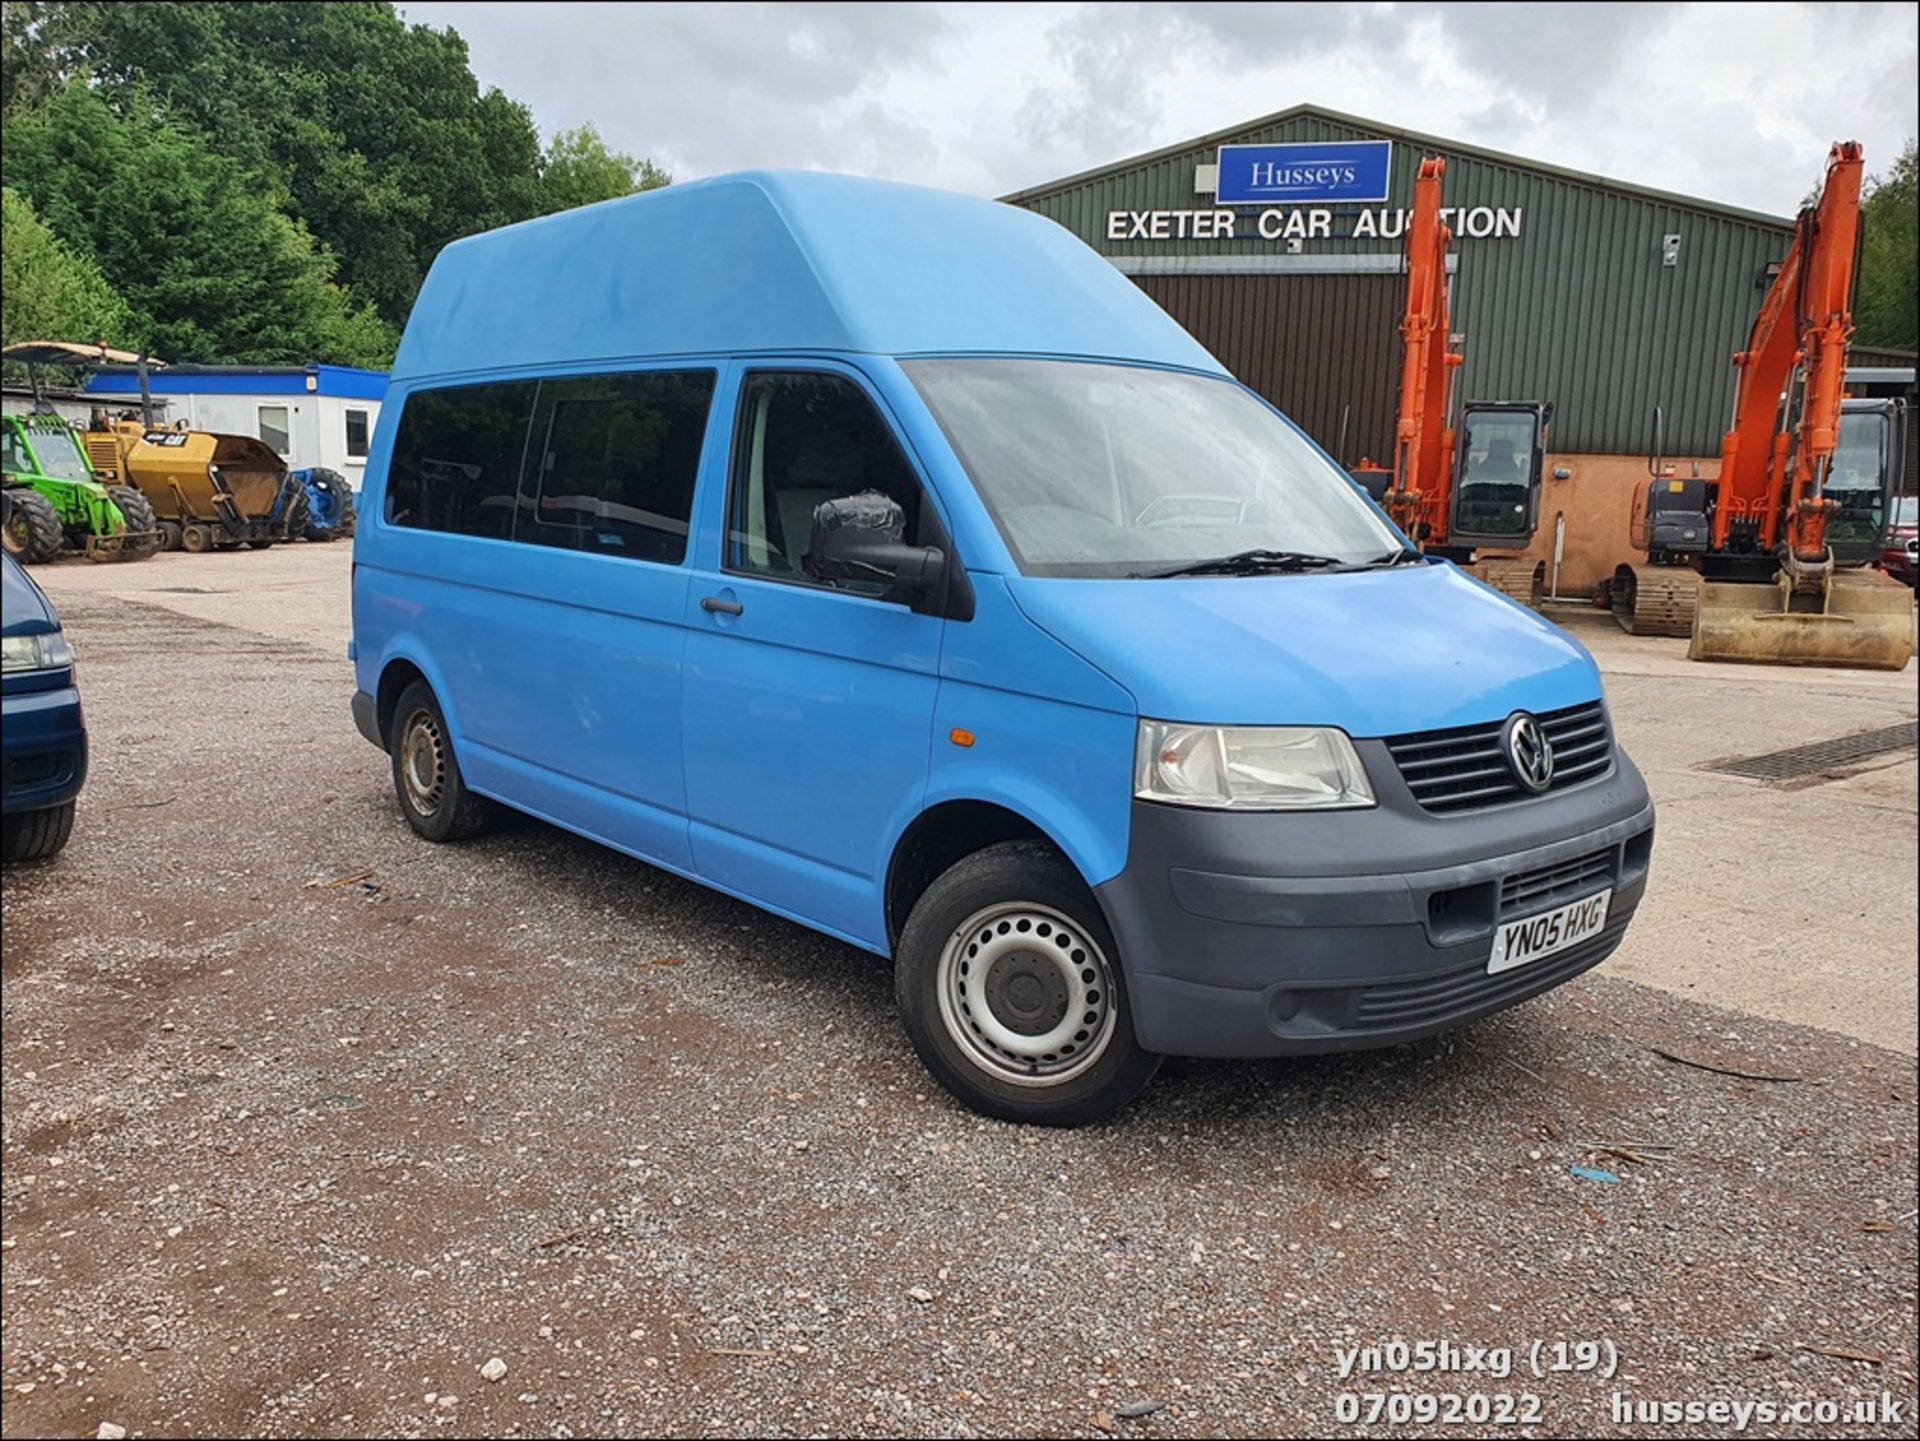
1798	762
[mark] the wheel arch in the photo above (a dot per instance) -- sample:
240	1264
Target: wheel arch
953	827
399	668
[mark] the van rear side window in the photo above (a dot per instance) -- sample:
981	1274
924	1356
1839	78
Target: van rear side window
609	468
456	459
616	472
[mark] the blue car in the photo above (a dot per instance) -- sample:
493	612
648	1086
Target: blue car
43	739
887	559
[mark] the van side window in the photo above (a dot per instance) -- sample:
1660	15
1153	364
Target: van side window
804	438
615	475
456	459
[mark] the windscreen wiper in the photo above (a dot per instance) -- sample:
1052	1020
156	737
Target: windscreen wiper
1396	557
1250	562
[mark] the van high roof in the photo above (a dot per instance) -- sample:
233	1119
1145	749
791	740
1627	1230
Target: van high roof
779	261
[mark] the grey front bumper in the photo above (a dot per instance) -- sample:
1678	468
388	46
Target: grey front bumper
1247	934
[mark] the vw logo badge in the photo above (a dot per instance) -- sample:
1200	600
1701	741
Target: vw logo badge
1529	752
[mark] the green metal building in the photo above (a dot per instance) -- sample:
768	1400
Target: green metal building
1604	298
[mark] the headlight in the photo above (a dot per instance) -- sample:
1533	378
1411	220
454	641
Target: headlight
34	652
1249	768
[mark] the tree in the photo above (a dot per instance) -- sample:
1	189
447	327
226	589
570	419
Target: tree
212	269
370	134
383	141
579	169
49	293
1888	288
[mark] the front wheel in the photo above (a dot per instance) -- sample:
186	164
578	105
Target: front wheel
1010	987
140	519
36	835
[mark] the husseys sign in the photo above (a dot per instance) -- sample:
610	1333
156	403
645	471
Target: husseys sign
1349	170
1295	184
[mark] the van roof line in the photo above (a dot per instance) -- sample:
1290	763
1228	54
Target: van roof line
780	261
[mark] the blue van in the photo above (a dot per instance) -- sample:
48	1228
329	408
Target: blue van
885	558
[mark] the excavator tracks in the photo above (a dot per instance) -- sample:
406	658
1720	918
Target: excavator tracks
1523	579
1655	599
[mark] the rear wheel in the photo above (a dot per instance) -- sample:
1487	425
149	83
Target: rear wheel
433	794
196	538
30	527
1010	987
170	535
140	519
35	835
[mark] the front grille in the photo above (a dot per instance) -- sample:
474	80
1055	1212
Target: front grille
1465	769
1547	887
1457	995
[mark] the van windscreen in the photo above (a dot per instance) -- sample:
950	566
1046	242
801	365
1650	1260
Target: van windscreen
1114	470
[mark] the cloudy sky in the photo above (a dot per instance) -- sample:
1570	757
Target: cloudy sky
1731	103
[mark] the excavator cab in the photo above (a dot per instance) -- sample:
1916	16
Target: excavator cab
1864	476
1496	488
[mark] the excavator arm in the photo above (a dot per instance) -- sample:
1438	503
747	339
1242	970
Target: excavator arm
1771	508
1420	500
1774	464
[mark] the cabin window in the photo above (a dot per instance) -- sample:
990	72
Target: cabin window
275	428
357	429
615	470
804	438
456	459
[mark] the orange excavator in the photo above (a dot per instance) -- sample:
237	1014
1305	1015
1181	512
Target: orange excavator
1471	494
1743	564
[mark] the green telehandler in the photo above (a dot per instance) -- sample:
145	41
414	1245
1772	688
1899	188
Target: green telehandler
52	504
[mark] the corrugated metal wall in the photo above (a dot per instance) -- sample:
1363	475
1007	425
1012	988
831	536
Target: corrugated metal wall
1272	332
1577	310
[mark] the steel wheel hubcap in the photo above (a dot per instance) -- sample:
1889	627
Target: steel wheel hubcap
1026	994
423	763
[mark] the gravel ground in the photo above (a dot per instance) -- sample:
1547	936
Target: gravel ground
288	1158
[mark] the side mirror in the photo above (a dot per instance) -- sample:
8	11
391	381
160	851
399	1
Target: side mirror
863	538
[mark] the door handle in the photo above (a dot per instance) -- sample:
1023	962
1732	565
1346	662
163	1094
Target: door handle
714	605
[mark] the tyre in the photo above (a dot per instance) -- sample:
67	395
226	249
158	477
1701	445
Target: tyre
31	527
170	535
1011	990
35	835
139	516
195	539
433	795
339	509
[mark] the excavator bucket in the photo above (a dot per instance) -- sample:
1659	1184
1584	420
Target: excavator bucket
1867	624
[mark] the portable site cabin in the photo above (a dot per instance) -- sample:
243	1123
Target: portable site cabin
313	415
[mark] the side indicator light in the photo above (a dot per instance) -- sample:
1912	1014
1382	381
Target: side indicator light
961	738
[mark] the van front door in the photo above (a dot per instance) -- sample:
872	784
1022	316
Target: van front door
807	705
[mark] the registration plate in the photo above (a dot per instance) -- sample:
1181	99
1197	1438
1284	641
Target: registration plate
1521	942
